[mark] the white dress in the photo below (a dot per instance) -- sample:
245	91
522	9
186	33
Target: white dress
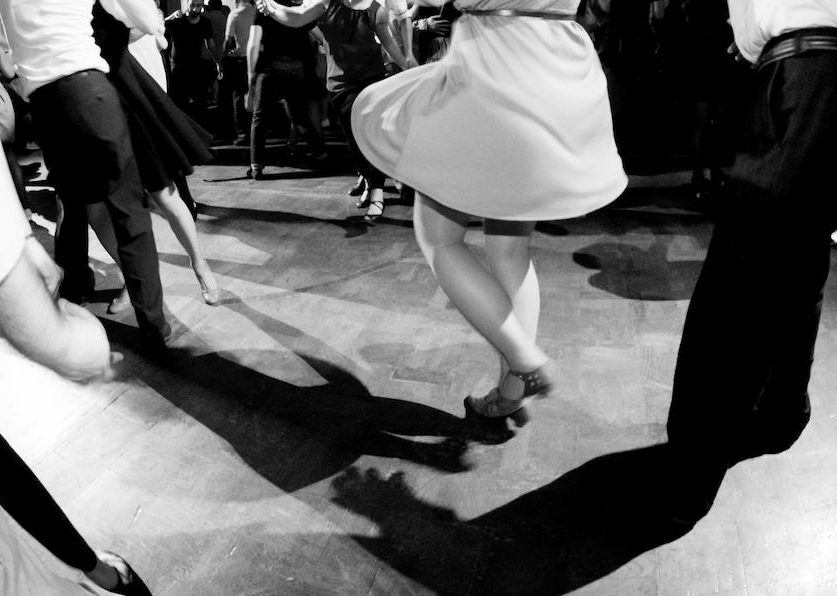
514	123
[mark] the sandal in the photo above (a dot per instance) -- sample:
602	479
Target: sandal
374	212
512	392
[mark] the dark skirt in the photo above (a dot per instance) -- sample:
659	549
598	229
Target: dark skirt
167	142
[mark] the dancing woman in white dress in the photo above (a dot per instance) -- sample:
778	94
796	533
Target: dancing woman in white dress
512	126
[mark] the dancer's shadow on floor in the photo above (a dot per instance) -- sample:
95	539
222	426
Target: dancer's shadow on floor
296	436
636	273
561	537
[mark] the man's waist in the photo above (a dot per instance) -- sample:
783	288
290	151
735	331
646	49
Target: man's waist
798	42
48	87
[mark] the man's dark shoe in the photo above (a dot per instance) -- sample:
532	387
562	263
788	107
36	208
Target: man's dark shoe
155	341
255	173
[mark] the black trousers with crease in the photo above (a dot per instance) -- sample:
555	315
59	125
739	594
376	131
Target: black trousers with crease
741	380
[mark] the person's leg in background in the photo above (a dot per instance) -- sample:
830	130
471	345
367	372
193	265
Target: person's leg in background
238	83
265	104
373	199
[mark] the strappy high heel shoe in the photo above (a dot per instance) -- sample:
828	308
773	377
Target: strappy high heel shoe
127	580
374	212
511	395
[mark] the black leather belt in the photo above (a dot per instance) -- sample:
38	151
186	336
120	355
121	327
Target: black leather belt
798	42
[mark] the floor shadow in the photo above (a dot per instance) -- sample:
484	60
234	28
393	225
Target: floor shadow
274	425
294	174
225	218
663	210
42	200
636	273
556	539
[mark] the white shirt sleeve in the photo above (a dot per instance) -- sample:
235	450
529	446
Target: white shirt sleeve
13	225
135	14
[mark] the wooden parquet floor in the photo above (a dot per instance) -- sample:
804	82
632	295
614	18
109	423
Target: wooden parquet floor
307	436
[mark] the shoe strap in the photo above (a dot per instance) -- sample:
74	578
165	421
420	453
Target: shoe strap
522	384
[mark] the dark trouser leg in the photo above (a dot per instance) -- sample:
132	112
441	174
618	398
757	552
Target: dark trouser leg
179	89
740	387
27	501
138	253
298	101
71	250
237	80
265	105
343	102
85	141
229	95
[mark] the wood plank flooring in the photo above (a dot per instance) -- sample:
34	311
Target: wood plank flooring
307	436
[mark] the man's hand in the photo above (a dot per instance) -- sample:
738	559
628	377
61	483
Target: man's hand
60	335
733	51
438	26
90	358
251	89
263	6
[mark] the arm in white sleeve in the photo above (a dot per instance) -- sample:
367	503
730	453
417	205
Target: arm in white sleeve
63	336
384	33
136	14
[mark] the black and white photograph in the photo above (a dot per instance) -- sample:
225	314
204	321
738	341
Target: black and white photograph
418	297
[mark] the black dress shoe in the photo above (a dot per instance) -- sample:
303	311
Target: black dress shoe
155	341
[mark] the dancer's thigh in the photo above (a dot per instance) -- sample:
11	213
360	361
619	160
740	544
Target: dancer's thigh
438	225
502	236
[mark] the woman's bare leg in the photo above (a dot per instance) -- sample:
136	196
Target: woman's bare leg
475	290
172	207
507	252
